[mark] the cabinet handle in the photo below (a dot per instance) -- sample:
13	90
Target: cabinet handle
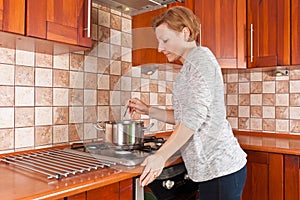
89	19
251	42
200	35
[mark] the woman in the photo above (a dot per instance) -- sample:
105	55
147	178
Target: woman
208	147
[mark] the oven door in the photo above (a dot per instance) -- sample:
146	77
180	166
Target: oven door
172	184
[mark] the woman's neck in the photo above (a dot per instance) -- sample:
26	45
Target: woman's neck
189	47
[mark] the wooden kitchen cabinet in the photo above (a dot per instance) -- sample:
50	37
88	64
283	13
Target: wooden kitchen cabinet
295	32
12	16
122	190
292	177
265	176
60	21
144	43
268	33
222	30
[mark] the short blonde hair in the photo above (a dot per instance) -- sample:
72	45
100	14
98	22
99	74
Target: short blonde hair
177	18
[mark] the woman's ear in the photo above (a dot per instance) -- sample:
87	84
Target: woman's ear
187	33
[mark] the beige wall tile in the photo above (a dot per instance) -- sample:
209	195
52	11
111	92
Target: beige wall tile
244	111
282	99
24	137
75	114
76	79
126	54
6	117
103	82
24	58
76	62
43	60
126	25
256	99
7	139
268	112
90	97
295	126
43	135
7	74
103	18
24	76
256	111
89	132
24	116
61	78
7	56
281	112
103	34
60	115
256	124
295	86
256	76
60	134
115	22
7	96
43	77
90	114
43	96
43	116
61	61
244	88
103	113
60	97
76	132
294	112
115	68
103	50
268	87
24	96
268	99
232	99
90	81
282	125
115	37
76	97
269	125
294	99
90	64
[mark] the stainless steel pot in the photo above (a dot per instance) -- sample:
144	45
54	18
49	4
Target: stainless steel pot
123	133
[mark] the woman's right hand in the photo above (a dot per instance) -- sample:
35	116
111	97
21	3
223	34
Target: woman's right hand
137	106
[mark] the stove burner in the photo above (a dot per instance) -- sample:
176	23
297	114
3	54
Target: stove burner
122	152
127	154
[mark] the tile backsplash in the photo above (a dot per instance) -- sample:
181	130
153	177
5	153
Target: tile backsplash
258	101
48	100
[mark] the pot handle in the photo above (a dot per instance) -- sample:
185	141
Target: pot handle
98	127
148	127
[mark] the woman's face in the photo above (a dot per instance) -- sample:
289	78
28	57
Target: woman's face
170	42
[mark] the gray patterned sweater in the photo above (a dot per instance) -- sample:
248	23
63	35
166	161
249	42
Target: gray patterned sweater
198	100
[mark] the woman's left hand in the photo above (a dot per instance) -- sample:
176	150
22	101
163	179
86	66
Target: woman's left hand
154	165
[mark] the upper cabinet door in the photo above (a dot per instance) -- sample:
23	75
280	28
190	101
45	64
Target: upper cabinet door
64	21
268	32
144	41
12	16
222	30
295	32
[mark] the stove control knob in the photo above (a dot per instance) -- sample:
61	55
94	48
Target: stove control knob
186	177
168	184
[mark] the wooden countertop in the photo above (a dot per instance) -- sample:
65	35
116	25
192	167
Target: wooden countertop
269	142
16	183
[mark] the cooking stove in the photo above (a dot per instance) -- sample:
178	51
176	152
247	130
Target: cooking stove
124	155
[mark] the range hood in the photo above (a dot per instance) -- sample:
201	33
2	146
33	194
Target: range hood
134	7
